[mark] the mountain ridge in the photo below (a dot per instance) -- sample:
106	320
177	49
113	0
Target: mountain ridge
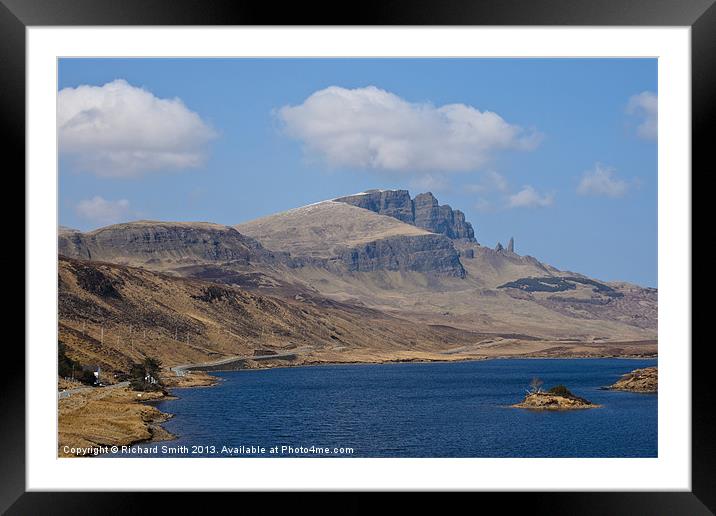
145	241
349	254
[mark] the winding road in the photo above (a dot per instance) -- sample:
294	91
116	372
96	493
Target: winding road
181	370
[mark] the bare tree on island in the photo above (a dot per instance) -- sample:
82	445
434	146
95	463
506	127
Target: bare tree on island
536	385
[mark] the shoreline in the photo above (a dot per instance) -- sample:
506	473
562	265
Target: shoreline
96	421
424	361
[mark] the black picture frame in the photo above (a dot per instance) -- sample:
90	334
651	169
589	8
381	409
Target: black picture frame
700	15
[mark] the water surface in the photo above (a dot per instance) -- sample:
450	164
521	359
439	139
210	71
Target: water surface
412	410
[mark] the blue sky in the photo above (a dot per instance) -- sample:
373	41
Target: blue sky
567	164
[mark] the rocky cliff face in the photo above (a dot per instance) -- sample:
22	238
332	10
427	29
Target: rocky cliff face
424	211
154	242
423	253
441	219
393	203
169	245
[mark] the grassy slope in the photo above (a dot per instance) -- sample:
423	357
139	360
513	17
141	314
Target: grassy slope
142	312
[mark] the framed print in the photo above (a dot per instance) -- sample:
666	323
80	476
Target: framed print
425	249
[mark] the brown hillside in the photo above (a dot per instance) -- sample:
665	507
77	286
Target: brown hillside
111	315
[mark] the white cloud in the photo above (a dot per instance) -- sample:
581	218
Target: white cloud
646	106
119	130
373	128
528	197
602	181
102	211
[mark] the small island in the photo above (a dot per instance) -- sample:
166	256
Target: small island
640	380
556	398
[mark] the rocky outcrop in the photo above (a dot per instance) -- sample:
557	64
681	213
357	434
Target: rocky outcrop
441	219
557	398
639	380
147	242
393	203
499	248
422	253
546	401
424	211
562	284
